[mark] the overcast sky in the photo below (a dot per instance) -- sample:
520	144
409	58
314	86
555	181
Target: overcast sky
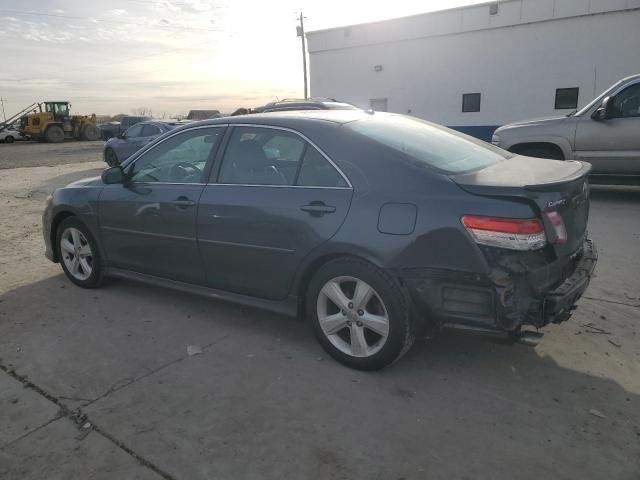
112	56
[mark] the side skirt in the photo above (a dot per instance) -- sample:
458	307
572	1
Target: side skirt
286	307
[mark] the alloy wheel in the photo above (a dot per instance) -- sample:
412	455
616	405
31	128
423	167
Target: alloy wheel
352	316
76	253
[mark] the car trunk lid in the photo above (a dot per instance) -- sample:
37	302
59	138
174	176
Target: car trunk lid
547	185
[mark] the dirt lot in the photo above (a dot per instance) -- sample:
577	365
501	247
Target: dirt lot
98	384
36	154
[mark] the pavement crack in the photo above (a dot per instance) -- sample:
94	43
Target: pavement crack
81	420
636	305
123	383
31	432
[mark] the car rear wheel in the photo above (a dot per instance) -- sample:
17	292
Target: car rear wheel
9	139
110	157
79	254
359	314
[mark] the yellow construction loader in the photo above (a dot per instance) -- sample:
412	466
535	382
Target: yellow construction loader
52	122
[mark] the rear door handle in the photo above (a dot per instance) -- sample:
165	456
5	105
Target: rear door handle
183	202
318	209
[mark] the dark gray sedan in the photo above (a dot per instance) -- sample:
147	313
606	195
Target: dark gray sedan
372	226
118	149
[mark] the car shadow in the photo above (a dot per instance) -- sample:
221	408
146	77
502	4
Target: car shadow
85	345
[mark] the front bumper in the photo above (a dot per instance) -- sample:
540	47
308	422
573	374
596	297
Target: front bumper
47	219
508	298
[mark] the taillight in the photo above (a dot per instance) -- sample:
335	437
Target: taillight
510	233
558	226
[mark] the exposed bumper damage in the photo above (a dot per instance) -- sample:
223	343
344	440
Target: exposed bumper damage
521	289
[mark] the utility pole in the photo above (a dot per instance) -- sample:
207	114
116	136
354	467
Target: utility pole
300	31
2	100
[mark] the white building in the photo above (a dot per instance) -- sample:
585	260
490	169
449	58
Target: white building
479	67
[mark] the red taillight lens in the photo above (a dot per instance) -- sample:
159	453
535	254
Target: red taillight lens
558	226
504	225
510	233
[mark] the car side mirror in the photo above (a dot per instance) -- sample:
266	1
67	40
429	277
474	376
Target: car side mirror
603	112
113	175
122	136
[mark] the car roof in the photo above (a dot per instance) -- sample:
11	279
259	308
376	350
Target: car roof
290	118
302	104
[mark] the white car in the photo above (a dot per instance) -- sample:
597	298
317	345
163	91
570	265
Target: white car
9	136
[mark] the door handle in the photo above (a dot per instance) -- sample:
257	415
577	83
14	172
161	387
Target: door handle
183	202
317	209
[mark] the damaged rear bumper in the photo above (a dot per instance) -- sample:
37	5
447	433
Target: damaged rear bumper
514	294
559	303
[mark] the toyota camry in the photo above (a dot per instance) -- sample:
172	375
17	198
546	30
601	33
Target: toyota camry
371	226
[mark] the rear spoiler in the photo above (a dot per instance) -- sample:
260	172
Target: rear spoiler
577	175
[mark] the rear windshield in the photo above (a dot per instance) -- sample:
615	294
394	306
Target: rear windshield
429	144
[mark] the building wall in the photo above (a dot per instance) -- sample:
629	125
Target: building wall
515	59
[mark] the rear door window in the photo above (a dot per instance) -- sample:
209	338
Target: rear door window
134	132
261	156
316	171
150	130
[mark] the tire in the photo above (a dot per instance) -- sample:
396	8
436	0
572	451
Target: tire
54	134
539	151
345	333
90	132
9	139
87	271
110	157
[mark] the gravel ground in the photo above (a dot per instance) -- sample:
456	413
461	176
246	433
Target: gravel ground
98	384
36	154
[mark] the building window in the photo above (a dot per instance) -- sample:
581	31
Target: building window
493	9
470	102
379	104
566	98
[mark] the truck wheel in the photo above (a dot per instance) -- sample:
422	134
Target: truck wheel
90	132
54	134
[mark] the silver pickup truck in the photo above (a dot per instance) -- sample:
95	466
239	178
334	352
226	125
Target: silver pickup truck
605	133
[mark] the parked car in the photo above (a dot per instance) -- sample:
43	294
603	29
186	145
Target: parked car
119	148
605	133
114	129
302	104
373	226
10	136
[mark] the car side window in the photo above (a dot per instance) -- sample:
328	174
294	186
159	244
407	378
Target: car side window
261	156
316	171
134	131
150	130
179	159
627	102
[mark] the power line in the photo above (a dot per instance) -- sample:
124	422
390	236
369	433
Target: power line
105	20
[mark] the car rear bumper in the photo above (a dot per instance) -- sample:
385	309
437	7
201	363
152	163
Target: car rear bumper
561	301
505	300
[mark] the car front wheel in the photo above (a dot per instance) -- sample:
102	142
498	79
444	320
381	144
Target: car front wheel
359	314
78	254
9	139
